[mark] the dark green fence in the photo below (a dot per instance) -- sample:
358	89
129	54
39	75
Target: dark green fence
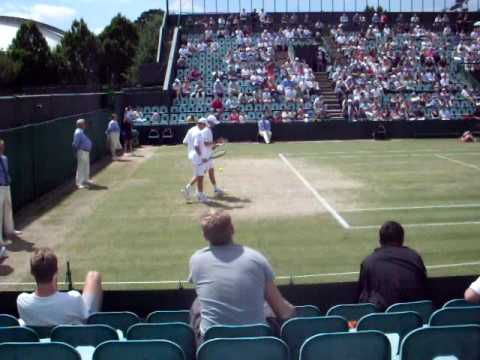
41	155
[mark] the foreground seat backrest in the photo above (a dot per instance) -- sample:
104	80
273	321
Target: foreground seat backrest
138	349
424	308
83	335
36	351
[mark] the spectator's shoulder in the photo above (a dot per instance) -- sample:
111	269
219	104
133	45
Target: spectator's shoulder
25	298
201	252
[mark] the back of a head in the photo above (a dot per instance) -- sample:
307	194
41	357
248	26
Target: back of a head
43	265
217	228
391	233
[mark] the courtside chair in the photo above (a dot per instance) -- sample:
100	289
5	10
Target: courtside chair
352	312
424	308
17	334
121	320
395	325
456	316
260	348
361	345
176	332
307	311
237	331
158	317
38	351
458	303
138	350
295	331
8	320
462	342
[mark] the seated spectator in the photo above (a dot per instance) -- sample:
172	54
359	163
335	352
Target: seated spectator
191	119
218	89
177	87
195	74
181	62
49	307
472	294
186	88
467	137
234	117
265	130
232	281
232	103
393	273
217	105
198	90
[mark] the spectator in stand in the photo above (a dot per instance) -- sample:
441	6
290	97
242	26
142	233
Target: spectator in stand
177	87
234	117
49	307
265	130
217	105
232	103
393	273
344	19
472	294
195	75
198	90
186	88
232	281
218	89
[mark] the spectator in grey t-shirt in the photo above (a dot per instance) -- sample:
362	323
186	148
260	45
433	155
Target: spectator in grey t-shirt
232	281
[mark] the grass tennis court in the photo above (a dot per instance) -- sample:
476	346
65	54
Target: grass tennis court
313	208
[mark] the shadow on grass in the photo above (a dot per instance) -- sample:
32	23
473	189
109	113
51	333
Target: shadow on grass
96	187
219	205
19	244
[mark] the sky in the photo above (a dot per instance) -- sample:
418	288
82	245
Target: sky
98	13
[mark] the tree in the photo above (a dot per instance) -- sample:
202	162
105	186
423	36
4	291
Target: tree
9	70
30	50
119	42
80	52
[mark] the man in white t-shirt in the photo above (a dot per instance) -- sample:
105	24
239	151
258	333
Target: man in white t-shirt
49	307
210	145
198	156
472	294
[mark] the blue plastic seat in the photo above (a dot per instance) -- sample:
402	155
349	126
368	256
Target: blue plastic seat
456	316
138	349
424	308
38	351
262	348
237	331
352	312
8	320
17	334
169	316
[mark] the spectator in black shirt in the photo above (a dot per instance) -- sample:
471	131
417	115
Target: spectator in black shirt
393	273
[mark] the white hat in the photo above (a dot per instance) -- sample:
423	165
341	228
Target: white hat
212	119
202	120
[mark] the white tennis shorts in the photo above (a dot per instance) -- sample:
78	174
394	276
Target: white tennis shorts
199	167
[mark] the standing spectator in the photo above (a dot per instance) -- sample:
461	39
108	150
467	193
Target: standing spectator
393	273
232	281
5	181
8	223
472	294
82	145
344	19
265	130
113	136
49	307
128	131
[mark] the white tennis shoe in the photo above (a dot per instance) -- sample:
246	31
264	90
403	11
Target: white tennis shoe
187	192
202	198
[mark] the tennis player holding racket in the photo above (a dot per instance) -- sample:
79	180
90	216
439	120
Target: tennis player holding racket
210	146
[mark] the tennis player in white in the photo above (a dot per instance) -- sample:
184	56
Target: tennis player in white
198	156
210	146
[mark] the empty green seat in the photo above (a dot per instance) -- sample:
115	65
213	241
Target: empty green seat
121	320
295	331
260	348
362	345
462	341
237	331
8	320
17	334
169	316
178	332
456	316
307	311
38	351
458	303
352	312
424	308
43	332
138	349
83	335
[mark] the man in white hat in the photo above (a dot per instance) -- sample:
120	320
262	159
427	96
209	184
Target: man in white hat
197	154
210	146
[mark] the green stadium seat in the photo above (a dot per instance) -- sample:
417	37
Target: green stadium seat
295	331
8	321
117	320
237	331
462	342
456	316
458	303
423	308
83	335
362	345
396	323
138	349
17	334
159	317
43	332
260	348
177	332
38	351
352	312
307	311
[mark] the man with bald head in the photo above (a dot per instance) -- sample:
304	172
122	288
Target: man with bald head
82	145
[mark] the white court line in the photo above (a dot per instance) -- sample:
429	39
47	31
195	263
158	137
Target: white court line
304	276
344	155
446	206
366	227
315	193
458	162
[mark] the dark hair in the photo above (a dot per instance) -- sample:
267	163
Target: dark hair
391	233
43	265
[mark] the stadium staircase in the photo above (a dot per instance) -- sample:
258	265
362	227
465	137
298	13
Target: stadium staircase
334	109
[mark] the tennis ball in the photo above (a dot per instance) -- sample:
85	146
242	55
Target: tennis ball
220	169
